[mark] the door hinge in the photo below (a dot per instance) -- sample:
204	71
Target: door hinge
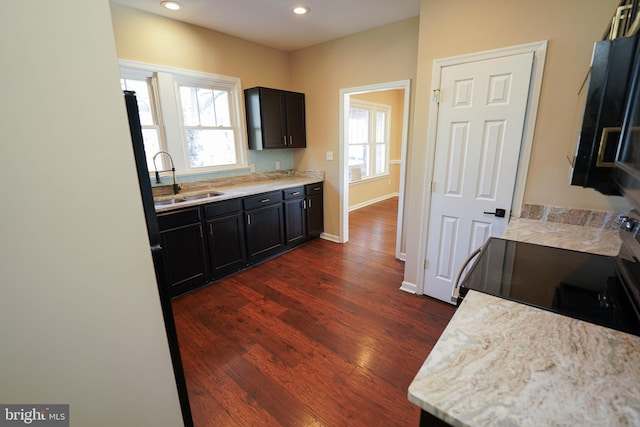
425	264
436	96
433	186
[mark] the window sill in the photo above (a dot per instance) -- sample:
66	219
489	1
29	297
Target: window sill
370	179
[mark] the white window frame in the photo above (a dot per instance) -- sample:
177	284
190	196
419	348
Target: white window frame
373	108
149	77
166	81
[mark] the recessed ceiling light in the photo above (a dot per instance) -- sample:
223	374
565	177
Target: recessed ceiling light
301	10
171	5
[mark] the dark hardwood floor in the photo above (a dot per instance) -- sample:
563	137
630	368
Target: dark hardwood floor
319	336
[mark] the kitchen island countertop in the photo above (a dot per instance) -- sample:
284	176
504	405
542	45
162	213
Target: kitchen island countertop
503	363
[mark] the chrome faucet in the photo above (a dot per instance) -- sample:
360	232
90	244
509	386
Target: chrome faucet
176	187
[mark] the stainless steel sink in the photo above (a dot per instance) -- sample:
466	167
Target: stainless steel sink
187	198
202	196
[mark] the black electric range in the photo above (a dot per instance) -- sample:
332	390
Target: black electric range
593	288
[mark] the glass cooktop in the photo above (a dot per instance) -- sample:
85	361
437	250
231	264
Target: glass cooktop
576	284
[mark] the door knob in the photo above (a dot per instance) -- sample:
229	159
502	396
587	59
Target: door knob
500	213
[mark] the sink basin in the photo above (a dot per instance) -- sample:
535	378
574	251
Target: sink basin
187	198
202	196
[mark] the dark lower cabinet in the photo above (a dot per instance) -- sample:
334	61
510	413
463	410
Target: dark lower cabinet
295	221
314	210
225	237
204	243
184	251
264	224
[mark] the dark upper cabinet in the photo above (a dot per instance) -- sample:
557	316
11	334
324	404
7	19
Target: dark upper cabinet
275	118
604	107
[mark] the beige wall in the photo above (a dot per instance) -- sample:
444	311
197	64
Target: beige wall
571	27
80	318
145	37
365	192
384	54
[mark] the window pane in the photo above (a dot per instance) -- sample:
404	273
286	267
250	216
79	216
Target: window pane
381	124
189	101
381	157
222	108
210	147
358	159
141	88
151	147
358	126
206	107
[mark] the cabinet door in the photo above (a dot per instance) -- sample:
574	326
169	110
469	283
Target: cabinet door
264	228
272	111
294	220
184	257
296	129
315	215
226	244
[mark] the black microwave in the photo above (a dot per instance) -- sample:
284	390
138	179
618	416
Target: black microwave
626	173
604	97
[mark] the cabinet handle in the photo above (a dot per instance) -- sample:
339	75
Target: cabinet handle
200	230
295	193
290	140
264	200
210	229
309	203
248	219
284	139
304	204
316	189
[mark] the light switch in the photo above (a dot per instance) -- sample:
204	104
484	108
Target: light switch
329	155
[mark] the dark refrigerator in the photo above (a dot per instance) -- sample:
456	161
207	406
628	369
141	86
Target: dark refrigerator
156	251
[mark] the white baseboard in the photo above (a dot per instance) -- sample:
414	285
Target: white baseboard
412	288
373	201
330	237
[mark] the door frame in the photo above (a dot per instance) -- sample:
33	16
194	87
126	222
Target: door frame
539	50
344	155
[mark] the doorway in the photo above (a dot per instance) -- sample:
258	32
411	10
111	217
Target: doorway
345	102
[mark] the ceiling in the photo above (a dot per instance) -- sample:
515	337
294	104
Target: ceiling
271	22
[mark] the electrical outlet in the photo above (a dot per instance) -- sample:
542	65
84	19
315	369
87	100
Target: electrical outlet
329	155
253	168
277	165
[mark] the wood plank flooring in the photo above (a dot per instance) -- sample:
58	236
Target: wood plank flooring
319	336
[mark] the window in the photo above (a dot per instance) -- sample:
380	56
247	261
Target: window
201	117
207	126
142	86
368	140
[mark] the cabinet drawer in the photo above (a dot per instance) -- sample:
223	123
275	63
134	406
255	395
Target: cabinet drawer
167	221
222	208
261	200
292	193
312	189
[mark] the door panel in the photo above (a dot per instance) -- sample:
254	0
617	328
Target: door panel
480	126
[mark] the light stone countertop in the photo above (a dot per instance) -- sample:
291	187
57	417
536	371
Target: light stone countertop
567	236
234	188
504	363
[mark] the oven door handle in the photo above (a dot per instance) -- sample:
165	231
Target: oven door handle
456	283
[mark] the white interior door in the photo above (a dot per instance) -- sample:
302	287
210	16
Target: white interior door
481	117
